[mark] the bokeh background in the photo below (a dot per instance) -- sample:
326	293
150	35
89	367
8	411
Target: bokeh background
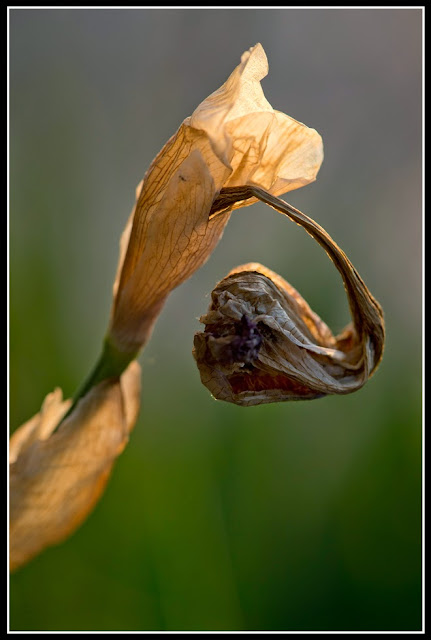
302	516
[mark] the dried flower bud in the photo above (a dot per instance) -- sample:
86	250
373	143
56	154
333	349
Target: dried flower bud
263	343
57	477
233	138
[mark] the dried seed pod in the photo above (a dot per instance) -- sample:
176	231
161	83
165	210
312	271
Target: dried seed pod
262	342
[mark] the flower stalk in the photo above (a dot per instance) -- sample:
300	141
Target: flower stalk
111	365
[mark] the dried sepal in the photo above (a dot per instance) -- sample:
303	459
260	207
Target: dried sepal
263	343
57	476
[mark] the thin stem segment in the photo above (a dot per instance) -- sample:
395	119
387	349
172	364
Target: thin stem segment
110	365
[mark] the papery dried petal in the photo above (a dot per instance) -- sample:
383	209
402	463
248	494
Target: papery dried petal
263	147
57	476
234	137
179	238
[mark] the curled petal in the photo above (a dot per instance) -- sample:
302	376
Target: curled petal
57	476
263	343
262	147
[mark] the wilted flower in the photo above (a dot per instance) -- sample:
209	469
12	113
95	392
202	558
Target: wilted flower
262	342
233	138
57	477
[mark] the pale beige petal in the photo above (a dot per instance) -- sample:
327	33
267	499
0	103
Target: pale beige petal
40	426
56	480
240	95
264	147
179	238
157	180
233	138
274	152
124	241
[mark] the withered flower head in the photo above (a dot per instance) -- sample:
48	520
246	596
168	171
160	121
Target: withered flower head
56	477
233	138
262	342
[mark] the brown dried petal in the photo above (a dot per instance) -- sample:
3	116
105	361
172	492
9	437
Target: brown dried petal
56	477
263	343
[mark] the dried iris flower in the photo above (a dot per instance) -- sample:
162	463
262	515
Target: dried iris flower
233	150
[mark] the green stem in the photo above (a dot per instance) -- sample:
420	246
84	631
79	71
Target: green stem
110	364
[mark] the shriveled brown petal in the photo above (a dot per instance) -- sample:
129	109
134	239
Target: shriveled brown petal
263	343
56	477
234	137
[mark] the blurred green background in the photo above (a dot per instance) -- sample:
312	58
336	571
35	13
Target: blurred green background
302	516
